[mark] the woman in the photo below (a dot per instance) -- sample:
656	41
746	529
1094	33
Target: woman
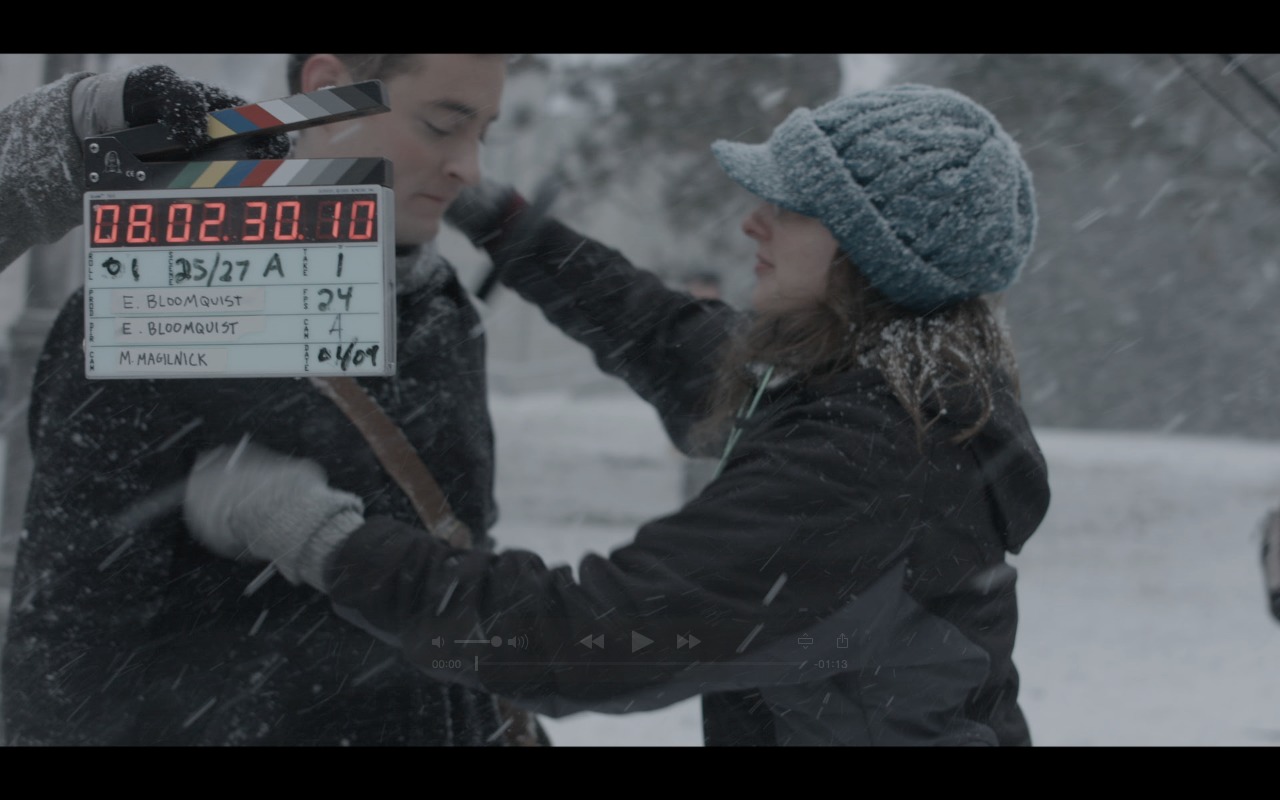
843	578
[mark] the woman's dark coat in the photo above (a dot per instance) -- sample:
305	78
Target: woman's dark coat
837	584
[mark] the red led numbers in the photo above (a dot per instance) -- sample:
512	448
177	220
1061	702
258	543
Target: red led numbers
287	215
212	217
262	220
106	223
179	228
346	221
255	221
138	231
362	214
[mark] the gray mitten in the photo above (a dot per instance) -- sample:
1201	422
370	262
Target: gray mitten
249	501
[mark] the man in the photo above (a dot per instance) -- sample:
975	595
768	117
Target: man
124	630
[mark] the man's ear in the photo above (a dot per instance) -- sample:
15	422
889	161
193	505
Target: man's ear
322	70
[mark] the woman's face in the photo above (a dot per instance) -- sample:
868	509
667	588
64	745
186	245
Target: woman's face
794	254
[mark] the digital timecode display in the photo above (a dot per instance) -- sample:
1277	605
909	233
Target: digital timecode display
231	220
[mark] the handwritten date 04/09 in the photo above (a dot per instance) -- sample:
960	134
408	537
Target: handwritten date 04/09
348	355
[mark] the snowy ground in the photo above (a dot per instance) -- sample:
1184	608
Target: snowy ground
1143	614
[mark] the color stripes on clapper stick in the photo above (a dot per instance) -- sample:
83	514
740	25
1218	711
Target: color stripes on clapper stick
269	172
270	117
298	111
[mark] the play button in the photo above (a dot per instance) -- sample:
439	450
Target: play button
639	641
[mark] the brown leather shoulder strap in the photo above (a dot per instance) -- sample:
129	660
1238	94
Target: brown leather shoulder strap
397	456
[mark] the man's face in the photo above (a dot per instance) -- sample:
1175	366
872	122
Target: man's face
440	110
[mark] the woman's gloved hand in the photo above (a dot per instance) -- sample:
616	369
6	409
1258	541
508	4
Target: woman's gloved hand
483	212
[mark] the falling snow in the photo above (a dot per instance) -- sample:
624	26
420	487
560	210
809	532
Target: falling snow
1149	304
1141	594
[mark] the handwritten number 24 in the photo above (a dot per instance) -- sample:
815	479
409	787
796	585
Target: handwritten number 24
344	296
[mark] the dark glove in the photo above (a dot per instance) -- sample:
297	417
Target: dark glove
1271	559
156	93
251	502
497	217
485	211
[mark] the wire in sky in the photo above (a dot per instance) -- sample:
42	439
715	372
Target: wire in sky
1222	101
1238	66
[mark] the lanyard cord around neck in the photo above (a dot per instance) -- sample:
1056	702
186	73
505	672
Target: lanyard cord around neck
744	414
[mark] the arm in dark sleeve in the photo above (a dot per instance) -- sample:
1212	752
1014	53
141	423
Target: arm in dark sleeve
663	343
96	554
743	570
41	169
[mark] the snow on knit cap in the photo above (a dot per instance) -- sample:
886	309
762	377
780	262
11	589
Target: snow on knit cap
920	186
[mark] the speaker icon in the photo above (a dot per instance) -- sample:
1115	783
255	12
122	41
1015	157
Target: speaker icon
438	641
521	641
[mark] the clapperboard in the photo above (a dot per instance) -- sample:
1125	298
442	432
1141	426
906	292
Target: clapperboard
240	268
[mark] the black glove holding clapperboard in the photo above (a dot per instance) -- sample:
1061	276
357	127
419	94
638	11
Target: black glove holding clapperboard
155	93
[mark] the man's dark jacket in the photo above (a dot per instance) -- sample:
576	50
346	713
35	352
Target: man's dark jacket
124	630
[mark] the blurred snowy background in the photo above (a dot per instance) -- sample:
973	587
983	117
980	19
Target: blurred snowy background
1143	618
1146	324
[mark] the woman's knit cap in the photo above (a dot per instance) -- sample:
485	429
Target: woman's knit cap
921	187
